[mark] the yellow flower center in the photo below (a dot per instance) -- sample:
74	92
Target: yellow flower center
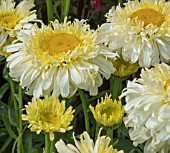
8	19
149	16
49	117
108	110
60	42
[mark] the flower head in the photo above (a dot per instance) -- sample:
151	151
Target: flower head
147	107
12	18
141	29
86	145
59	58
108	113
48	115
124	68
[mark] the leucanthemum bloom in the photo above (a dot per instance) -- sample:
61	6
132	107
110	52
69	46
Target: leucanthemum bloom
12	18
108	112
148	109
86	145
48	115
140	29
59	58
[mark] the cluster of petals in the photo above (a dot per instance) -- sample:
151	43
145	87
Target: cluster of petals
14	18
139	31
86	145
44	67
148	109
108	112
48	115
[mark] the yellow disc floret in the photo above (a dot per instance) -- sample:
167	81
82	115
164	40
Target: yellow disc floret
148	16
8	19
59	42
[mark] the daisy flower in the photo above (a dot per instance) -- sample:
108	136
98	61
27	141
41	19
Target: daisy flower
148	110
59	58
139	31
108	113
48	115
12	18
86	145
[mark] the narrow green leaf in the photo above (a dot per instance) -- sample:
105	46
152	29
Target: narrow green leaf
78	109
28	144
8	127
6	73
12	117
6	143
120	145
34	151
3	109
3	89
56	6
14	145
6	111
3	132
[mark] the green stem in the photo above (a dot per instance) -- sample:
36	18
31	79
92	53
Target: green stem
47	143
20	127
85	109
18	111
52	147
110	134
65	9
97	131
49	10
116	87
12	86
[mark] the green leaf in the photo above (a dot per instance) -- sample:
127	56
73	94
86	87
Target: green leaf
78	109
124	130
8	127
14	145
3	109
120	145
6	73
34	151
6	144
3	89
6	111
28	144
12	117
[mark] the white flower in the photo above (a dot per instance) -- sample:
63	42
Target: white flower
140	29
86	145
12	18
148	109
59	58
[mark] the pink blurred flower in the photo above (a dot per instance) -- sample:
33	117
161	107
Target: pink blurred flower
96	4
